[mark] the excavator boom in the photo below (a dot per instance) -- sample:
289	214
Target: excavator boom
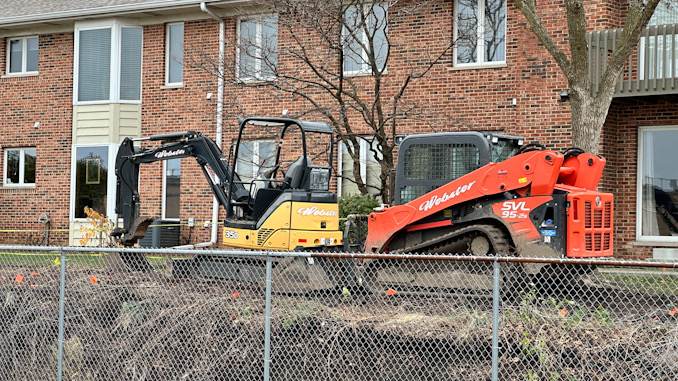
177	145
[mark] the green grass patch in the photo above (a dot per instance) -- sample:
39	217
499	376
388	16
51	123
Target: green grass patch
89	260
659	283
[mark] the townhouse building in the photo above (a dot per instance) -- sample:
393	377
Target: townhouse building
80	76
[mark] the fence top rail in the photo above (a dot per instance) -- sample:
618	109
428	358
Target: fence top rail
168	252
652	30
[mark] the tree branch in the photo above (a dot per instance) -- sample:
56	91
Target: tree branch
529	10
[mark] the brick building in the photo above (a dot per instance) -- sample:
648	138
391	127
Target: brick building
80	76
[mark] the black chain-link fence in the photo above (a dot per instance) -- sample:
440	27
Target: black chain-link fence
93	314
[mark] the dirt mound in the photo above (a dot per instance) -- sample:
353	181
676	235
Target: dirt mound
155	327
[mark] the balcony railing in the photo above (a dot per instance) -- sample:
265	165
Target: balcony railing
651	69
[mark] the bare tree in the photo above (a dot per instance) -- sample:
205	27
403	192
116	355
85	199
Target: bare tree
589	108
334	57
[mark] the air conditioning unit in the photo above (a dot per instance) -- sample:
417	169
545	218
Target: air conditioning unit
161	233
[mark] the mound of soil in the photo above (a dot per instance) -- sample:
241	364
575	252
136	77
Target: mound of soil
155	327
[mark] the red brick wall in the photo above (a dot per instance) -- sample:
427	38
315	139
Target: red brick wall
472	99
168	110
46	98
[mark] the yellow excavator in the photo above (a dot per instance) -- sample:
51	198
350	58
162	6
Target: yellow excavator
282	209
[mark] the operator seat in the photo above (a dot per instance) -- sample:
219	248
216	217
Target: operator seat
295	173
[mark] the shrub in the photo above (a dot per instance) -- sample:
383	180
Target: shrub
356	204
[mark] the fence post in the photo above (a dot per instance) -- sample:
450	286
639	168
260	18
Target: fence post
62	298
495	321
267	319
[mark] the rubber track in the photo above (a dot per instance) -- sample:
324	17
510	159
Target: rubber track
497	237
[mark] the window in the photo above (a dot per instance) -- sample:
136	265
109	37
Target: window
108	64
370	169
174	56
23	55
20	166
480	32
171	189
130	64
361	23
657	184
257	48
91	184
254	158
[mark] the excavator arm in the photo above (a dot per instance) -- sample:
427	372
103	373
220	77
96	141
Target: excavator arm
178	145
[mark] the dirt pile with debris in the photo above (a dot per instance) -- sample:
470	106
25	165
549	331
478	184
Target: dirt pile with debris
155	327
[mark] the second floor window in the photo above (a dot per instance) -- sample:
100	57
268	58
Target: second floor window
23	55
98	58
365	40
174	68
258	48
480	32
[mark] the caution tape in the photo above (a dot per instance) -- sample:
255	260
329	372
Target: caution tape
80	229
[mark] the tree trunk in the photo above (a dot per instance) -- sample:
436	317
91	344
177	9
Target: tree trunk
588	118
386	166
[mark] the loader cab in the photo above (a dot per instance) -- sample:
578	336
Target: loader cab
428	161
280	161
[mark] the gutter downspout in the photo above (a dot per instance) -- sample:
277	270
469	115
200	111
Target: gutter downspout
220	123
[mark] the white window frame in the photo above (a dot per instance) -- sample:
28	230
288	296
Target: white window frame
480	47
110	187
639	189
258	44
164	190
168	56
24	54
364	151
365	66
116	56
22	164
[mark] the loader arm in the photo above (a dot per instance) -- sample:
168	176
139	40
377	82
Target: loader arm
179	145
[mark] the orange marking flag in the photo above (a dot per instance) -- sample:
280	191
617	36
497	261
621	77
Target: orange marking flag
390	292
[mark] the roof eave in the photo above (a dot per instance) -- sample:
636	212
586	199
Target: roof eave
109	11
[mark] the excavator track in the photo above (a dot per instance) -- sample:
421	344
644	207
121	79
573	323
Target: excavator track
460	278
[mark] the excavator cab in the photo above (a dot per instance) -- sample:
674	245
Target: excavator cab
291	172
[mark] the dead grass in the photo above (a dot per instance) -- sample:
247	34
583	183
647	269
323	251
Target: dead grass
154	327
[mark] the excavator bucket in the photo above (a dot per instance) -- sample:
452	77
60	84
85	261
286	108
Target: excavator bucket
133	262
